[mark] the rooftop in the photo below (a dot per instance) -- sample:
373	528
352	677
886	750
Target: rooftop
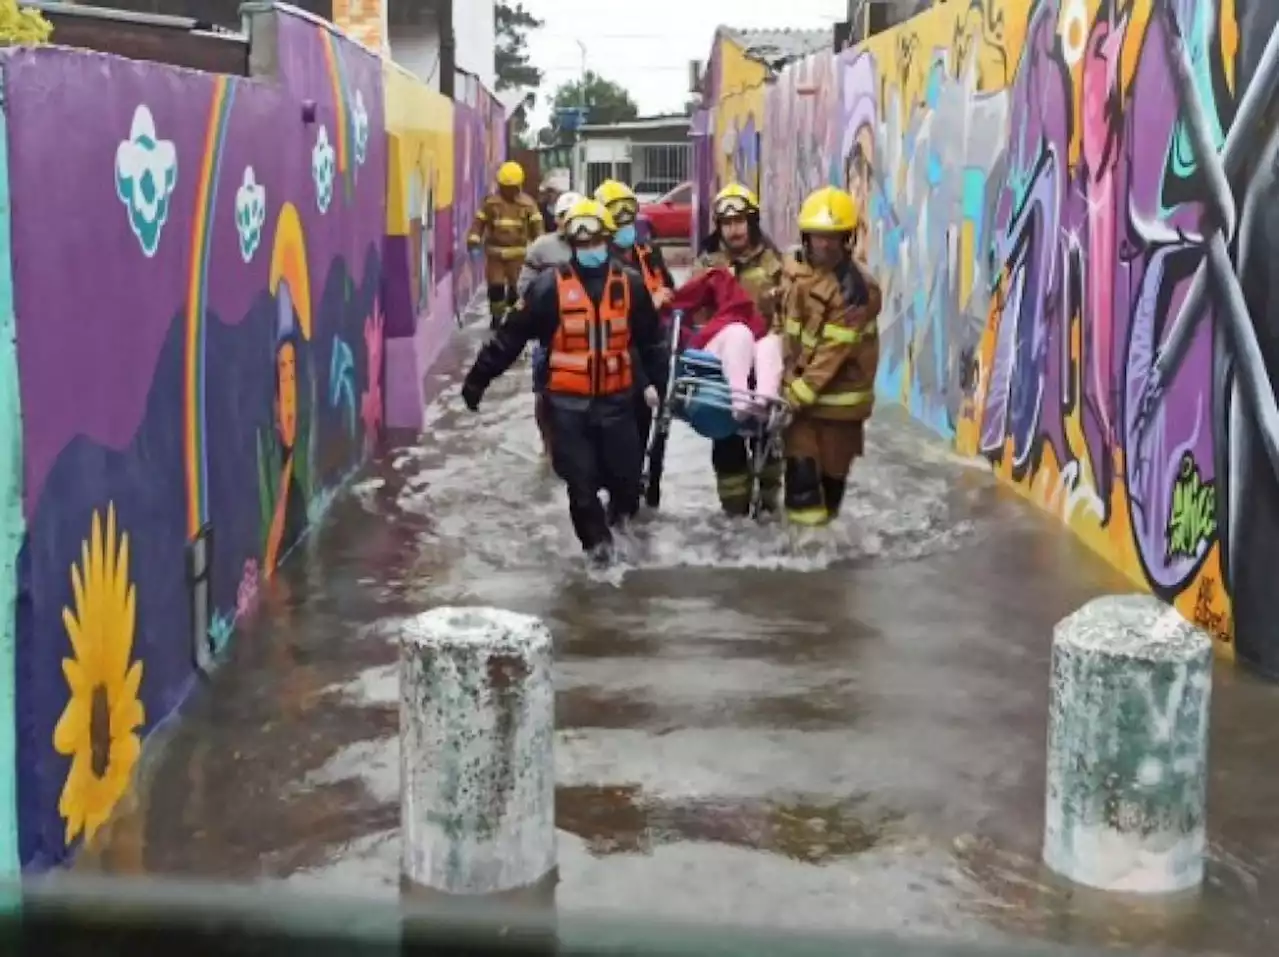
776	47
658	122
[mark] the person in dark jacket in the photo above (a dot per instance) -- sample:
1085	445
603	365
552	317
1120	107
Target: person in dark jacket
646	259
601	331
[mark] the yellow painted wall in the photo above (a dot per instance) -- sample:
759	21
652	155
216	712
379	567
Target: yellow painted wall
739	114
419	148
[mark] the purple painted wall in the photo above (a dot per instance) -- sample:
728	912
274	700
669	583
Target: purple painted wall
416	334
200	356
479	147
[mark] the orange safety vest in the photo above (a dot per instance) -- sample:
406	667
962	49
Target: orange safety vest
590	353
653	280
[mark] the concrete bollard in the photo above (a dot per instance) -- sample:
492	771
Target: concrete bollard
476	766
1128	747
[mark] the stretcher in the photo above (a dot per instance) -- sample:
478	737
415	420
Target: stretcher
698	394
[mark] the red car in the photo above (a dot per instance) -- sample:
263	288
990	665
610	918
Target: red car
671	217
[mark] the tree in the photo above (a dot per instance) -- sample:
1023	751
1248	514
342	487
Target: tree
512	24
606	102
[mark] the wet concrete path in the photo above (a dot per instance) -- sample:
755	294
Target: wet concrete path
845	732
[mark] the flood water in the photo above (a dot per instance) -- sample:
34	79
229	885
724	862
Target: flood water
842	730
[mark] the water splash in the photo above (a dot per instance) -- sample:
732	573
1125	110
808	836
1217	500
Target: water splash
496	507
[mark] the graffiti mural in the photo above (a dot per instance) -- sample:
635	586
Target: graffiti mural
801	138
223	336
479	148
1072	207
739	108
418	288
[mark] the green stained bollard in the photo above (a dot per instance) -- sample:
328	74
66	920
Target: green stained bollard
1128	747
477	777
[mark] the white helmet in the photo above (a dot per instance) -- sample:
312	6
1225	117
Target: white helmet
564	203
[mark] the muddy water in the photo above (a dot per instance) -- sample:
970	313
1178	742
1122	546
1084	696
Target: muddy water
840	730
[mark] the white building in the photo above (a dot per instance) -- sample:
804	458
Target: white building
415	32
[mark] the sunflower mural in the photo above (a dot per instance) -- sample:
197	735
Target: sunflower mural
285	451
99	727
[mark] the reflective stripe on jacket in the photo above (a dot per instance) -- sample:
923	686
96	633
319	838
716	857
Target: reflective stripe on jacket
590	353
506	227
830	340
651	274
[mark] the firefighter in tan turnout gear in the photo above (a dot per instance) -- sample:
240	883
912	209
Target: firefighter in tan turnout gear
505	224
738	244
831	347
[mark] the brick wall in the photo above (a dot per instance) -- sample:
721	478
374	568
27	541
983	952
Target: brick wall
365	20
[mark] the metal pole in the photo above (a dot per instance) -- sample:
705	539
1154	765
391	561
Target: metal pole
579	165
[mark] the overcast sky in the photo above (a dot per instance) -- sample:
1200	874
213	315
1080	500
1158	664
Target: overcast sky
646	45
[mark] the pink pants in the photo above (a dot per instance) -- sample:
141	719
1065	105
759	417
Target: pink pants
739	351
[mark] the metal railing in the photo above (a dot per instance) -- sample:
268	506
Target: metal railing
660	167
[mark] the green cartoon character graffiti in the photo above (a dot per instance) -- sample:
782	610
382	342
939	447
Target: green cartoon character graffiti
1193	521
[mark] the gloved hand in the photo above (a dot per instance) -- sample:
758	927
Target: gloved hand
651	397
472	394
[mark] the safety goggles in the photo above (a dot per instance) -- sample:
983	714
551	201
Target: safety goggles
583	229
624	211
732	206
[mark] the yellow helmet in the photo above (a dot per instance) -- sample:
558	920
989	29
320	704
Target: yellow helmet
828	210
619	200
586	220
611	191
510	174
735	200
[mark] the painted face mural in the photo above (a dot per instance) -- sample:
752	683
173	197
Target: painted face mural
287	393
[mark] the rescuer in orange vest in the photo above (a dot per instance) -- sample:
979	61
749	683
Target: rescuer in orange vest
505	224
646	259
601	331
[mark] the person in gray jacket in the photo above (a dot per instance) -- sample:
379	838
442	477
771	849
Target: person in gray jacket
546	252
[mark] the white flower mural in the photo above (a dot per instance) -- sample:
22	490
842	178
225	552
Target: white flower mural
324	165
251	213
146	174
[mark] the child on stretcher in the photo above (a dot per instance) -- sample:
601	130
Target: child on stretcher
735	333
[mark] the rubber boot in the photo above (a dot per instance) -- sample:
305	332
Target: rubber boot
833	494
803	494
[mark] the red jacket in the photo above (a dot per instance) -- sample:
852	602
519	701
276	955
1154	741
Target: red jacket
718	291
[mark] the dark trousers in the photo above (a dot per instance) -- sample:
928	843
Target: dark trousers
594	445
502	296
731	461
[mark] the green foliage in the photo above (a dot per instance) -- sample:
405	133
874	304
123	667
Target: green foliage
511	56
22	27
606	101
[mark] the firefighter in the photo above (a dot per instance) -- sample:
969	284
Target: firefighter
829	308
737	243
506	222
598	323
646	259
545	252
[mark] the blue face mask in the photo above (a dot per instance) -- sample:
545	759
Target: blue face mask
592	258
625	236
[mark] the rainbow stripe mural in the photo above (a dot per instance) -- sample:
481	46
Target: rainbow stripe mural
341	105
194	447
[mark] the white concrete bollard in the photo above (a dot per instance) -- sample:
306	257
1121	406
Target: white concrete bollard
476	765
1128	747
